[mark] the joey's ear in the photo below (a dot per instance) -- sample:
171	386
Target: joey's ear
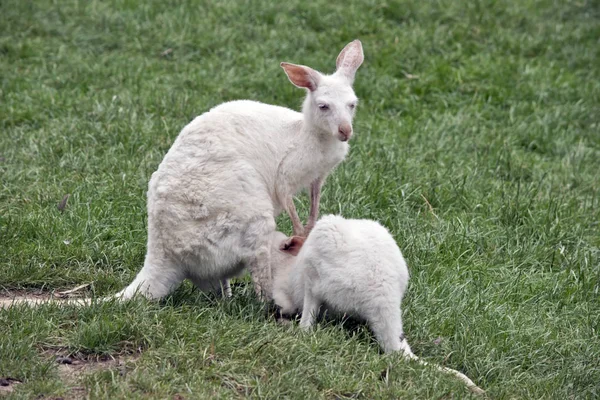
302	76
292	245
349	59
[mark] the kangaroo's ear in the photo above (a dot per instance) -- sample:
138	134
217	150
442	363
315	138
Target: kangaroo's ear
292	245
350	58
302	76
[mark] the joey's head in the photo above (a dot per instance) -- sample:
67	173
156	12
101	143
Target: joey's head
283	258
284	251
330	104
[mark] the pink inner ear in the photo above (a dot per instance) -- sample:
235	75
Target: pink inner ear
300	76
350	58
296	244
292	245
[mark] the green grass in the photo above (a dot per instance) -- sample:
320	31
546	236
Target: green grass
478	146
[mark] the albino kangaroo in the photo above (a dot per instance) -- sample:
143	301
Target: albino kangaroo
351	266
213	200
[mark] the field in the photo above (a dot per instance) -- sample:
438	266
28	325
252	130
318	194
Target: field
477	144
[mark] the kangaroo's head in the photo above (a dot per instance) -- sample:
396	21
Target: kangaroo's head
330	104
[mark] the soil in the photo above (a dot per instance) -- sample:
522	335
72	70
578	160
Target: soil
20	297
72	370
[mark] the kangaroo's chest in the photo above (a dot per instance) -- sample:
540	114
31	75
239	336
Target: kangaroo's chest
320	163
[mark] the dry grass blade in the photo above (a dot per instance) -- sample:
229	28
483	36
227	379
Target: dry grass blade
71	291
63	203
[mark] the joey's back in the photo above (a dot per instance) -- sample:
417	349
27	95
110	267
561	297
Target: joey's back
362	251
348	264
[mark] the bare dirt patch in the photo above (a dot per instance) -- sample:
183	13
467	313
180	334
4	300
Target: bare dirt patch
72	370
19	297
7	385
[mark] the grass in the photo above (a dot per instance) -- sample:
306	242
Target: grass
478	146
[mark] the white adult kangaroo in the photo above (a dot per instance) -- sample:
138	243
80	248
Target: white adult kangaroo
212	202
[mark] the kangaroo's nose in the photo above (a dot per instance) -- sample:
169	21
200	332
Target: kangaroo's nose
345	131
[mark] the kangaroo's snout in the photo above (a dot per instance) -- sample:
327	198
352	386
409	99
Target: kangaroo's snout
345	132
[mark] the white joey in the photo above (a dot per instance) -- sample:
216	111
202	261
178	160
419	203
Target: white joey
348	266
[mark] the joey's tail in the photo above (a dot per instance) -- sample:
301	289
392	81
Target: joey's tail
470	384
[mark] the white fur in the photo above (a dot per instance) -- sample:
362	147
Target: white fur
230	172
351	266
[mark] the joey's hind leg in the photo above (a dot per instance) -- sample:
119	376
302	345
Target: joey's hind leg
405	347
158	278
386	324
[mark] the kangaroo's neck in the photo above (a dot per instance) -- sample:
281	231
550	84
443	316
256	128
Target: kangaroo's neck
310	153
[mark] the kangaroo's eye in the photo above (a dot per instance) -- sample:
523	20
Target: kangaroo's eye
352	106
323	107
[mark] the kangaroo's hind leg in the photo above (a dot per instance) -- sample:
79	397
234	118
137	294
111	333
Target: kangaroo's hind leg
222	287
257	246
158	278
